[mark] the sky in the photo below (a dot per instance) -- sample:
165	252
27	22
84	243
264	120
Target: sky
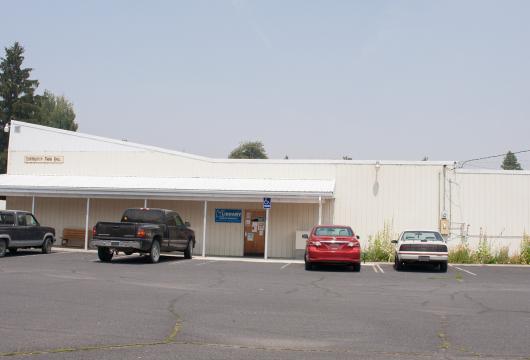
372	80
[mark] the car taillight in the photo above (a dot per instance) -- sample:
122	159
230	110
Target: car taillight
314	243
94	232
354	244
140	233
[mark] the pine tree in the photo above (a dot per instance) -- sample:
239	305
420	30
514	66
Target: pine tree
510	162
17	94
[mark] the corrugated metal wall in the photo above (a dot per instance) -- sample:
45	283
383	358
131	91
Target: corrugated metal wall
495	204
404	196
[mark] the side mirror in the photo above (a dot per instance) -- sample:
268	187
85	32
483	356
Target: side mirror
358	237
393	241
305	236
187	223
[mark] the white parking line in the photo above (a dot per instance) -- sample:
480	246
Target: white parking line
207	262
374	267
283	267
380	268
464	270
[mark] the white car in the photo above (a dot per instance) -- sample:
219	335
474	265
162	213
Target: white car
420	246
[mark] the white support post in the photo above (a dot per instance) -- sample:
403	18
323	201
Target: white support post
320	210
33	204
266	255
204	228
86	222
145	203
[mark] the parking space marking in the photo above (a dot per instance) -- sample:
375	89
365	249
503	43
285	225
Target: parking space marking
464	270
283	267
207	262
378	269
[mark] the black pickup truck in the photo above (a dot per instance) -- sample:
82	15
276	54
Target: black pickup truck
20	229
144	231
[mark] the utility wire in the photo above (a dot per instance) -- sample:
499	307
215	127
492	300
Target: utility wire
491	157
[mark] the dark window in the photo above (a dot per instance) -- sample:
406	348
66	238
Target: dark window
7	219
21	218
171	220
143	216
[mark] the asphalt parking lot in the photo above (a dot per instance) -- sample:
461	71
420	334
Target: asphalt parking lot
71	306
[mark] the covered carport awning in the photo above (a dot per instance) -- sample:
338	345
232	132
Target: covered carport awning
174	188
235	189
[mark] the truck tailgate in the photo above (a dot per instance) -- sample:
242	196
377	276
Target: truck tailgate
116	229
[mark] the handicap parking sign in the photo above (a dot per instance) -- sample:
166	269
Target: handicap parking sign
266	203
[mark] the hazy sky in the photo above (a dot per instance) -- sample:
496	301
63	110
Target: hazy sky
312	79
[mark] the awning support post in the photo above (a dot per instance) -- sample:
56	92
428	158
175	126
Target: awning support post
266	252
86	222
320	210
204	228
33	204
145	203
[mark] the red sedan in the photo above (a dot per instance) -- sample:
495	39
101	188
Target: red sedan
332	244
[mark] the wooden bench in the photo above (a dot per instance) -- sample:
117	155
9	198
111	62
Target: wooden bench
75	237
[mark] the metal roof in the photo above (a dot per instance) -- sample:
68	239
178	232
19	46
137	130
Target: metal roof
133	145
164	187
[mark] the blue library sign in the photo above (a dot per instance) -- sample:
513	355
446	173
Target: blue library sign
228	215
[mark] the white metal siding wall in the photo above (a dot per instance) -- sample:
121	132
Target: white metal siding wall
19	203
404	196
285	219
60	213
495	204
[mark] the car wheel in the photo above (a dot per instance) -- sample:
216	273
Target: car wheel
154	254
189	250
397	264
356	267
2	248
13	251
308	265
443	266
104	254
47	246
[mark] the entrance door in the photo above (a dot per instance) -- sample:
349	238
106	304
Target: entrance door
254	235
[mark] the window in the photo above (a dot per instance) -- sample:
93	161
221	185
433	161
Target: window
171	220
21	219
333	231
7	219
422	236
30	220
178	220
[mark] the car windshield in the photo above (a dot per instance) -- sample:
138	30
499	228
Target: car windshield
333	231
422	236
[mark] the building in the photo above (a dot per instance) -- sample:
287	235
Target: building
71	180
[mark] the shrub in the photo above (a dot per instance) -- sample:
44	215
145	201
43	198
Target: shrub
379	246
461	254
483	253
524	256
502	256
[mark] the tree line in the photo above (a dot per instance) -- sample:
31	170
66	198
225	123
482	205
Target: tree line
19	101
